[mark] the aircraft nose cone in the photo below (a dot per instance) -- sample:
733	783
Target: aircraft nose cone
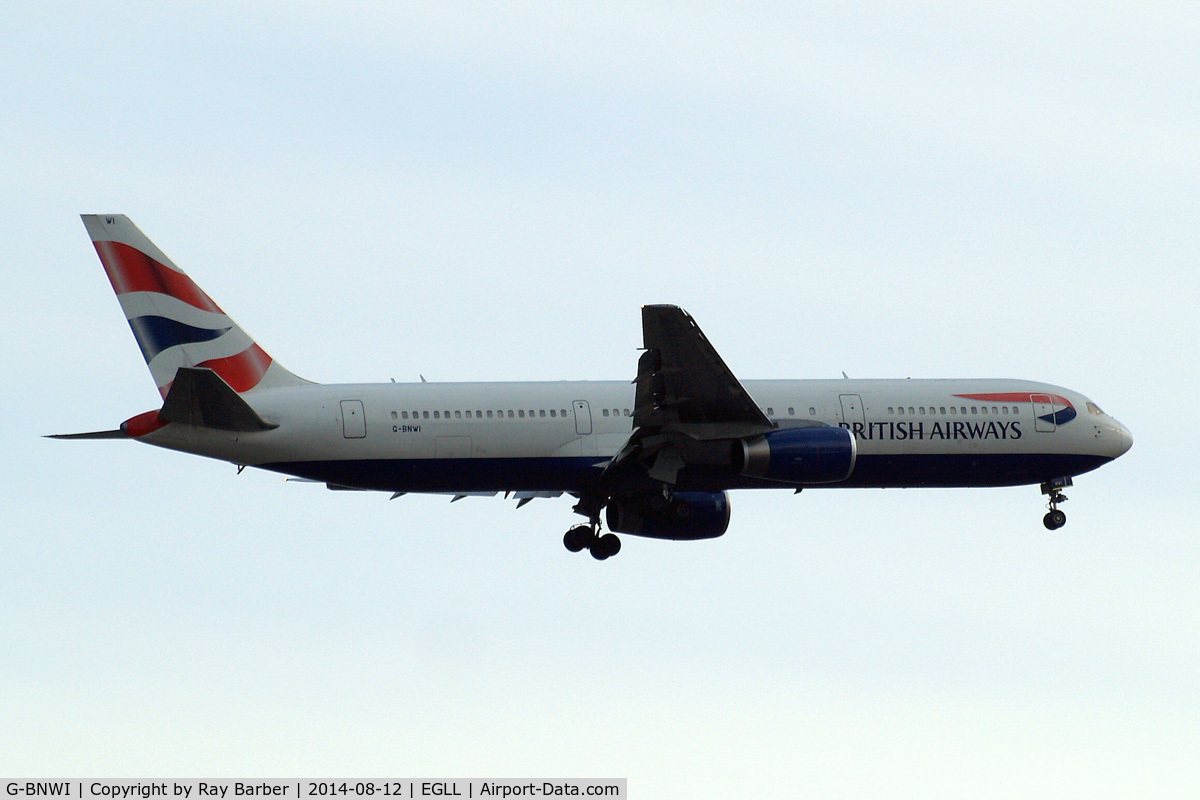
1122	440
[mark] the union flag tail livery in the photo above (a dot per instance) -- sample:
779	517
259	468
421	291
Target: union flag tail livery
174	322
655	458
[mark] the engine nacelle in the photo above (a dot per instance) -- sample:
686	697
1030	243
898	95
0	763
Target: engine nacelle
798	455
688	515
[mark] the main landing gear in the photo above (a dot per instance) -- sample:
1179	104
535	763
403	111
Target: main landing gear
1055	518
588	536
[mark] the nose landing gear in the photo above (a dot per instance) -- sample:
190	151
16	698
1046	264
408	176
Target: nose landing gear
1055	518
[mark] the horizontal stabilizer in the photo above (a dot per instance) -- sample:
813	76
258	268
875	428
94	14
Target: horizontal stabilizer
117	434
200	397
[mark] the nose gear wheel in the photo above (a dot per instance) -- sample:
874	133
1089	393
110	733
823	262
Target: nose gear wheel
1055	518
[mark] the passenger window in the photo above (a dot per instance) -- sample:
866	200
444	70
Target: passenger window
437	415
393	415
627	412
791	411
489	414
953	411
942	410
458	415
553	413
521	413
812	410
974	409
770	411
542	413
510	414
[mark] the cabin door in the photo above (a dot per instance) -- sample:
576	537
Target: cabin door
852	411
583	417
354	420
1043	413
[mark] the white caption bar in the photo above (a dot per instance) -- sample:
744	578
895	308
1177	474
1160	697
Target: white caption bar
297	789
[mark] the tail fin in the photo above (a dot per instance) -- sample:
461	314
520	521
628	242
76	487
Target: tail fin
175	323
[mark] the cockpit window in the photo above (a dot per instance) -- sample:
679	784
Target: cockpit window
1094	409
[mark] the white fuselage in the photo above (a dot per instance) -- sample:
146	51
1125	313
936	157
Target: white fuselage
558	436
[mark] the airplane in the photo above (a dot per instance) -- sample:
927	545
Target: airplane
655	457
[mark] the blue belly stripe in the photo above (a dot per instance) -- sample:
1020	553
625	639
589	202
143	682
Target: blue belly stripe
580	474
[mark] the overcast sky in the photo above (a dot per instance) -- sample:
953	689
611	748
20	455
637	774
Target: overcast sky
384	190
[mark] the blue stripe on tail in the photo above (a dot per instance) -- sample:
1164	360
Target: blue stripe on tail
155	334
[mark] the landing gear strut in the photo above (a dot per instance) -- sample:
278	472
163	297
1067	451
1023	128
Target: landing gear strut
1055	518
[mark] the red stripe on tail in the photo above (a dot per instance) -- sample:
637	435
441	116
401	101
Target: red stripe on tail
131	270
243	371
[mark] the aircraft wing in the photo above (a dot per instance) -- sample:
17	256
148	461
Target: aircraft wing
687	402
684	386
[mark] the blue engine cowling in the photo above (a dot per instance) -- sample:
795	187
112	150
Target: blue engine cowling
688	515
798	455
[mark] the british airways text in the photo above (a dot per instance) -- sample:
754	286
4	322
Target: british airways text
921	431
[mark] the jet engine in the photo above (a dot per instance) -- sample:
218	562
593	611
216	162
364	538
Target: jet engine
798	455
686	515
